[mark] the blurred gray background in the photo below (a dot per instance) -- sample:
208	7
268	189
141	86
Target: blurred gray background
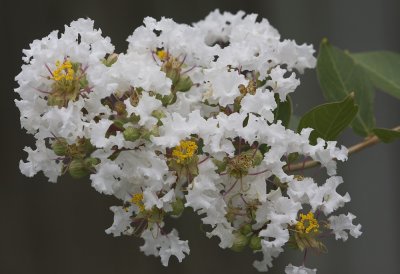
59	228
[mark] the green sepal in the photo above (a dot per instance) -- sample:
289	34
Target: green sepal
240	241
255	242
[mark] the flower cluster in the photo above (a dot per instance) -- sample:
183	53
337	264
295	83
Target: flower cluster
185	118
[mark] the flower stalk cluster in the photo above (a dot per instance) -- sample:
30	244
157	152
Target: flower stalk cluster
184	118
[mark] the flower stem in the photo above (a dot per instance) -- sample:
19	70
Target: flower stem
367	142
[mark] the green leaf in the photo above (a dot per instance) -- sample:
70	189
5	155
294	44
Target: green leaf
329	120
283	111
339	75
383	67
386	135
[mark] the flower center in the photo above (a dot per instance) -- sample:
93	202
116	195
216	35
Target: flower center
185	150
162	54
63	71
137	199
307	223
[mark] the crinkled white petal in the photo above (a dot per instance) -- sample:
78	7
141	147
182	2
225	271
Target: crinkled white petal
290	269
282	85
342	225
41	159
224	84
164	246
122	221
262	102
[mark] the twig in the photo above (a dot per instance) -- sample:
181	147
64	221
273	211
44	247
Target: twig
370	141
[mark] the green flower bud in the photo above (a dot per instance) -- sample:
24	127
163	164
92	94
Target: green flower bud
60	147
90	162
255	242
77	169
111	59
158	114
177	207
85	146
131	134
184	84
240	241
246	229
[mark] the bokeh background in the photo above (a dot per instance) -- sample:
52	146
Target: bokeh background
59	228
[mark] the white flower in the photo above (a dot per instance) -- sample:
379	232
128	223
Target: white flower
269	253
322	197
281	85
263	102
185	118
224	84
331	199
164	246
122	220
290	269
140	70
41	159
63	122
225	233
106	179
344	222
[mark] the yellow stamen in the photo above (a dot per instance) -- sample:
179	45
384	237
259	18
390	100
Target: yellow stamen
185	150
162	54
137	199
63	71
307	223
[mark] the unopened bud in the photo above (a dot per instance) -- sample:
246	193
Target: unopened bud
77	169
90	162
183	84
60	147
246	229
158	114
255	242
85	146
131	134
240	241
111	59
